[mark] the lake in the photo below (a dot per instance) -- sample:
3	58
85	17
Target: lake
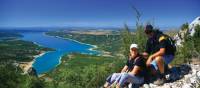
51	59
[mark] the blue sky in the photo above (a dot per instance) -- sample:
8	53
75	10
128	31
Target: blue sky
95	13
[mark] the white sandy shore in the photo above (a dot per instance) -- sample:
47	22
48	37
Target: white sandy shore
91	49
27	65
60	61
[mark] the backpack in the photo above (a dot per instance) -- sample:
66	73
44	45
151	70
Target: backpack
169	39
171	42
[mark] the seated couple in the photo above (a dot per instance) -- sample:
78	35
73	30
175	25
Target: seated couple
135	71
160	51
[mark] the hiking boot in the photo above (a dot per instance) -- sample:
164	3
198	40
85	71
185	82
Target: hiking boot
159	81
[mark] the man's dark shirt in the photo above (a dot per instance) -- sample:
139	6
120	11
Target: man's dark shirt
158	41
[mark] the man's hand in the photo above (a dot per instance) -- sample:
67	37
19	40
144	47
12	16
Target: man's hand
145	55
151	57
149	60
159	53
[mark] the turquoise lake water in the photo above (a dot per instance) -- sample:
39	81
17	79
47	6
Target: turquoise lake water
51	59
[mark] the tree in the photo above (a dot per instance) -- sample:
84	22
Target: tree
127	39
196	40
185	26
140	38
191	47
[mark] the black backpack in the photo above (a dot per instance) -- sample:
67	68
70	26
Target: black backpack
171	42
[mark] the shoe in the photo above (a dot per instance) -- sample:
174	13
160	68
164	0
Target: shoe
159	81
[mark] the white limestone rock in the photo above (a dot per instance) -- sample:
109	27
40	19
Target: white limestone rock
191	79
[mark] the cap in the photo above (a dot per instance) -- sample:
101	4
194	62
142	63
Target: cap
134	46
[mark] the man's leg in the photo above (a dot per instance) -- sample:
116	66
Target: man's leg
174	74
160	63
157	65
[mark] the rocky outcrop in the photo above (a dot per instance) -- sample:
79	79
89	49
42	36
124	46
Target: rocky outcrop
182	33
31	71
193	24
189	78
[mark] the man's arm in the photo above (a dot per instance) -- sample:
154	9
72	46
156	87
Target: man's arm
125	68
161	52
151	57
162	45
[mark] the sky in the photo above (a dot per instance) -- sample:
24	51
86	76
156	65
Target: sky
96	13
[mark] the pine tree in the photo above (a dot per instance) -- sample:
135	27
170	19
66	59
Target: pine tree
140	38
127	39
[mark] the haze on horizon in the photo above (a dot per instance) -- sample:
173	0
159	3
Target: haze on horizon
95	13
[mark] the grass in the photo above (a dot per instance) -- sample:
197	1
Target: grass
76	61
83	71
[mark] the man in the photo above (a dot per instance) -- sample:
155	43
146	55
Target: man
135	67
160	49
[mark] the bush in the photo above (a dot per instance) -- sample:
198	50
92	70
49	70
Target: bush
10	77
190	48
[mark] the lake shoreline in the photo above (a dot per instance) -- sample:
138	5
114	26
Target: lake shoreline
58	58
25	66
102	52
91	49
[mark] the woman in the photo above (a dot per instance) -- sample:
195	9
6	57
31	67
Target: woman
135	67
136	75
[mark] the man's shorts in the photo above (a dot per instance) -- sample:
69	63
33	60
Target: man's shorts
167	59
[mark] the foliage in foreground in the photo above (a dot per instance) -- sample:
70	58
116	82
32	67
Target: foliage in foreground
83	71
128	38
11	77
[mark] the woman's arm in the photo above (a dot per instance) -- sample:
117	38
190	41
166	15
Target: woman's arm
135	70
125	68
